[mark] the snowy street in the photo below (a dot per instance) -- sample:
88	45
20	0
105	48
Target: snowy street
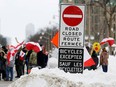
5	83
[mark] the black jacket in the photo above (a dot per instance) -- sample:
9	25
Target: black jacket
42	59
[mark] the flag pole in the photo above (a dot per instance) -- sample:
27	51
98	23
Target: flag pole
16	40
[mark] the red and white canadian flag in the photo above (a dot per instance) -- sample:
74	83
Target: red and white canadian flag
22	54
11	47
33	46
108	40
88	61
13	51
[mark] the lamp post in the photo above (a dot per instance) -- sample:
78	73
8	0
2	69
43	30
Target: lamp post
44	40
48	38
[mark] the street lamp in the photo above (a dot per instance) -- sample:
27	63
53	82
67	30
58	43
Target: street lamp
48	38
50	34
43	33
44	42
92	37
86	37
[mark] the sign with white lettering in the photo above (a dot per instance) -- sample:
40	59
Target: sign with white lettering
71	26
71	60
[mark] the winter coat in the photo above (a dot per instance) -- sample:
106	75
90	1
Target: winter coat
2	60
33	58
2	63
104	58
27	56
95	58
11	62
18	61
42	59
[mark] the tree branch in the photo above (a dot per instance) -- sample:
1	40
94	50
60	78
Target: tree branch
103	5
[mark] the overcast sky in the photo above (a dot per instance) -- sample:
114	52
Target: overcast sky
16	14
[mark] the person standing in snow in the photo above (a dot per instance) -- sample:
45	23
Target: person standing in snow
28	53
33	60
95	59
104	59
17	65
9	69
42	58
2	65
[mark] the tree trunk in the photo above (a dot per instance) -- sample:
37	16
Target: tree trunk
110	26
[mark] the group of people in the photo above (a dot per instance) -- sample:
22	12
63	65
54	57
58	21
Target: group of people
101	61
22	58
30	59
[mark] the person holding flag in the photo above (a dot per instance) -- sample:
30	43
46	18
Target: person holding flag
9	66
95	59
10	60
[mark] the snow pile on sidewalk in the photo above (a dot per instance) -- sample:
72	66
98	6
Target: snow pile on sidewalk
54	77
58	78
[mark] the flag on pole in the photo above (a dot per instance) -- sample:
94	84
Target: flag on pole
55	39
108	40
22	54
12	51
33	46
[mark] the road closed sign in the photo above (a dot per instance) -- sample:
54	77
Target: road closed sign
72	25
72	16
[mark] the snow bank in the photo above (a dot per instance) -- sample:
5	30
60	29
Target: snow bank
53	77
58	78
43	78
52	63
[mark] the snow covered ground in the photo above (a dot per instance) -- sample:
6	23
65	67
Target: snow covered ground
53	77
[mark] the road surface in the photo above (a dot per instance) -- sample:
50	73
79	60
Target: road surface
6	83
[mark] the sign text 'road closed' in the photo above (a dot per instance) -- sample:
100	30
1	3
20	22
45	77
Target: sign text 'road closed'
71	26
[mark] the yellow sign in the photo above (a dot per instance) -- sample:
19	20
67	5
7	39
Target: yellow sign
96	46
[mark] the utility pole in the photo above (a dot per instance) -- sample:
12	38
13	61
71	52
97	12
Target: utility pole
89	21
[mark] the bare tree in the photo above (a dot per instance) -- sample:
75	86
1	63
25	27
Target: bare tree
109	8
44	36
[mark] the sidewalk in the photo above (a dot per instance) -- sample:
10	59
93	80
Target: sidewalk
5	83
